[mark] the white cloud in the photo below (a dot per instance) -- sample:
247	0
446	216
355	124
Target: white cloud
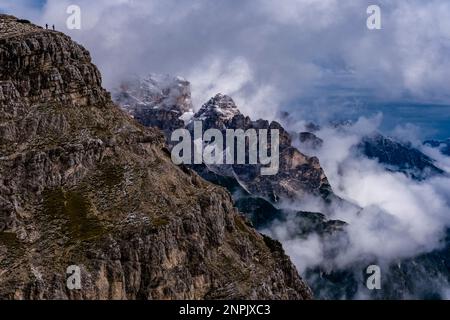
400	217
291	49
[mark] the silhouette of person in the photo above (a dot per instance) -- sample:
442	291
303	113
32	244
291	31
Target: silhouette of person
46	26
53	27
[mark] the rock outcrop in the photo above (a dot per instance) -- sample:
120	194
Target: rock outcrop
398	157
82	183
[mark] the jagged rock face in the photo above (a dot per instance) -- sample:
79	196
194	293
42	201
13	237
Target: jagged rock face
81	183
156	101
298	175
398	157
57	69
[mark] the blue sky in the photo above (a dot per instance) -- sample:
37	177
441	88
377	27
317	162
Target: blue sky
312	57
37	3
10	5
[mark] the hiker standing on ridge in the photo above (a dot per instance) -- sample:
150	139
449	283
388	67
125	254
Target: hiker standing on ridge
46	26
53	27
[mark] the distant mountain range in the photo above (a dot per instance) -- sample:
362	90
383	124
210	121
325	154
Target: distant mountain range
443	146
399	157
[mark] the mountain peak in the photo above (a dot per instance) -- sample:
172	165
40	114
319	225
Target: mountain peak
221	101
220	107
39	66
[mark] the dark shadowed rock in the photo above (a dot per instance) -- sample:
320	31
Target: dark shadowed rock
312	127
398	156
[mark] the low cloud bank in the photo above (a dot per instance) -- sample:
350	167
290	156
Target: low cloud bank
394	217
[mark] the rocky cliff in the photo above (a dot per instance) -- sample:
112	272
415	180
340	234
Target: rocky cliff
82	183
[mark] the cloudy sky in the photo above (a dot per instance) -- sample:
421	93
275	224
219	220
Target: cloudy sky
268	54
